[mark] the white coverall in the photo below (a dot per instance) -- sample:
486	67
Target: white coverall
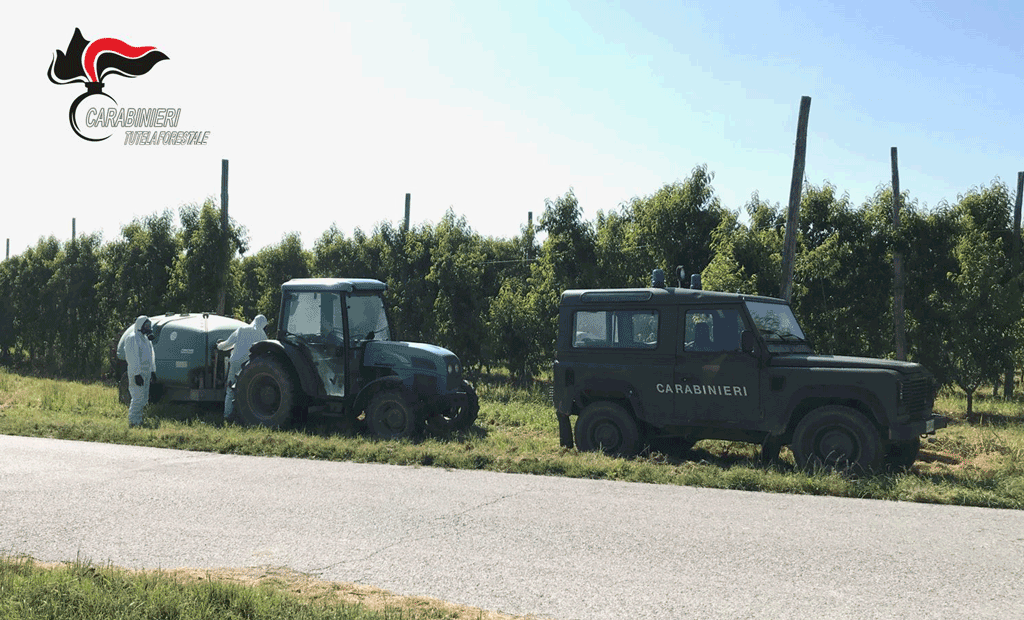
138	352
242	339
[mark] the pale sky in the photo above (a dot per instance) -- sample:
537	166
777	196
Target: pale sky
330	112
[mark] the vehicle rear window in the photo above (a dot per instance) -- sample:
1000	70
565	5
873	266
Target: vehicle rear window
615	329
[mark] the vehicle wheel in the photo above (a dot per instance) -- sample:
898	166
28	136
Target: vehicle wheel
389	416
122	390
837	437
456	418
902	454
609	428
265	393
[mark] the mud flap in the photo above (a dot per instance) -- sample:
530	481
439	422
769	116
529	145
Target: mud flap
565	431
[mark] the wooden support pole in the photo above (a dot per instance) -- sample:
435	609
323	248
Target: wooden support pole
795	188
1015	266
408	208
899	282
72	229
223	293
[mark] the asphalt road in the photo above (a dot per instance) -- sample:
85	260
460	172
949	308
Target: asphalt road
550	547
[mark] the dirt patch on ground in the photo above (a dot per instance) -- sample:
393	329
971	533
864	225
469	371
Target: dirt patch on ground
313	589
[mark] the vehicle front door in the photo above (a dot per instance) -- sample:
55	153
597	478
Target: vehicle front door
716	383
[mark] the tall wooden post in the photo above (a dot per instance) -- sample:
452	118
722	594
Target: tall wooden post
899	282
408	208
72	229
223	294
795	188
1015	266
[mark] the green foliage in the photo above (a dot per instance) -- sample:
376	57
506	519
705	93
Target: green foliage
748	258
982	317
494	301
260	278
674	226
204	262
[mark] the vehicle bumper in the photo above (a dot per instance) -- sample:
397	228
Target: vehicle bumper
916	428
445	402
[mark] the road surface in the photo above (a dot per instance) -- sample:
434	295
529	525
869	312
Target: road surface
550	547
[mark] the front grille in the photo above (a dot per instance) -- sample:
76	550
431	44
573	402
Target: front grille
919	396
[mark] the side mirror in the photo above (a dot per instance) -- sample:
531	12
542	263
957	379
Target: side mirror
748	341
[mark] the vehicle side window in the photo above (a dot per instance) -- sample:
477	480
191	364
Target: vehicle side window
715	329
615	329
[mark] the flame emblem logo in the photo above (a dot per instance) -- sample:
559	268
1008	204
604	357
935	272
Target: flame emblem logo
89	62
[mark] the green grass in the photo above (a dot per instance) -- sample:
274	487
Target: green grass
79	589
974	465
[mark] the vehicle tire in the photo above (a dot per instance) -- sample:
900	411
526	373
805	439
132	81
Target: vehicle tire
607	427
389	416
122	390
837	437
456	418
902	454
265	393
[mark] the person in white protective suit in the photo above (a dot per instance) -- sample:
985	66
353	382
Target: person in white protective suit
138	352
241	339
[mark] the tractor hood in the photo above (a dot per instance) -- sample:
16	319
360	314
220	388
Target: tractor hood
842	361
389	354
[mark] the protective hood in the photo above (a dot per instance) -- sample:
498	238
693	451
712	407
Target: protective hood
259	322
139	322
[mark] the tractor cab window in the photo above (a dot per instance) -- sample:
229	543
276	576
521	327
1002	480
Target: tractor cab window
314	316
367	319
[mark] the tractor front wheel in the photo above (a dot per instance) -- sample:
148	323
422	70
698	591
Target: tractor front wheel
389	416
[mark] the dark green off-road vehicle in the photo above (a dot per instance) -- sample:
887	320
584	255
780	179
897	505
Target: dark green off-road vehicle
695	364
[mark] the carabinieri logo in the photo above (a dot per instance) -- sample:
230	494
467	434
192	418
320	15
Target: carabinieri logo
90	62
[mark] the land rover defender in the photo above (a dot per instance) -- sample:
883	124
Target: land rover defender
694	364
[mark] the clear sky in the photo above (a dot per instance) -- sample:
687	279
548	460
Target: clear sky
330	112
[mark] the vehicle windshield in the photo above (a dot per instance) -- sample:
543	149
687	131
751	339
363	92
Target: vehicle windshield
367	319
778	326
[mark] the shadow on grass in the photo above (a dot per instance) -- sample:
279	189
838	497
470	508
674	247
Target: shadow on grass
314	424
724	455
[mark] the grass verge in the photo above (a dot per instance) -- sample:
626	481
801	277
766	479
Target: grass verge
79	589
972	465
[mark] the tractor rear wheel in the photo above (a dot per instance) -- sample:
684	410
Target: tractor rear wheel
265	393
